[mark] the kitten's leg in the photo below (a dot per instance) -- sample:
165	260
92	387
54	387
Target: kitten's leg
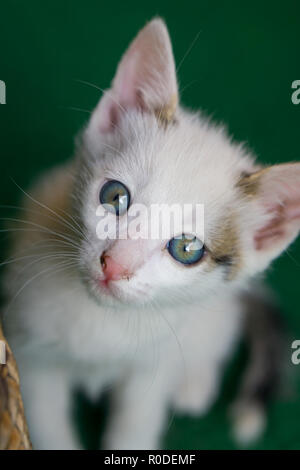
198	389
47	400
138	414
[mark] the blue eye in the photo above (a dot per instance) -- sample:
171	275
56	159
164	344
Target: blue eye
187	249
115	197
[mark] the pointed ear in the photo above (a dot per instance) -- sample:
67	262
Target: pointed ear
145	79
275	210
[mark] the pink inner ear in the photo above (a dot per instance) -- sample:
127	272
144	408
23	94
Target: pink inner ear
109	117
145	78
279	196
111	107
271	232
126	82
276	229
293	211
104	117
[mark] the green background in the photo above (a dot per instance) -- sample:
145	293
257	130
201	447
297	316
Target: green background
240	70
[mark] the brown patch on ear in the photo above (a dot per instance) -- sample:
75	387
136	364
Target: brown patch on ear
224	248
249	183
165	114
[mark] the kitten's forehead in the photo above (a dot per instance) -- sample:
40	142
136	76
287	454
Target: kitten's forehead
188	161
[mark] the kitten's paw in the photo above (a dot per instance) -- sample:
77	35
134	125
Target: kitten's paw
249	422
127	441
194	398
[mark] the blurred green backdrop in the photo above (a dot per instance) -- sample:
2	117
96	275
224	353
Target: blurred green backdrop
240	70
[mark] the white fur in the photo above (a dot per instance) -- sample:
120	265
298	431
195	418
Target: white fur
249	422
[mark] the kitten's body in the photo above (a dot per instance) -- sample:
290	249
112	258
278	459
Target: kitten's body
159	339
171	358
175	347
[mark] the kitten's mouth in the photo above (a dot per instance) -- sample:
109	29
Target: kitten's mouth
119	290
109	285
114	282
109	289
105	285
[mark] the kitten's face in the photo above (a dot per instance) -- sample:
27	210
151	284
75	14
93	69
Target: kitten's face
161	165
141	148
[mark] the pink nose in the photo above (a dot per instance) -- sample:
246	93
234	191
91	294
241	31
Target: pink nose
112	270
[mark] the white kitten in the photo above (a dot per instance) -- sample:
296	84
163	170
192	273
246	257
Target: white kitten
131	314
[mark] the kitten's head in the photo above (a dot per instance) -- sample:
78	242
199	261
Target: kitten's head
141	147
